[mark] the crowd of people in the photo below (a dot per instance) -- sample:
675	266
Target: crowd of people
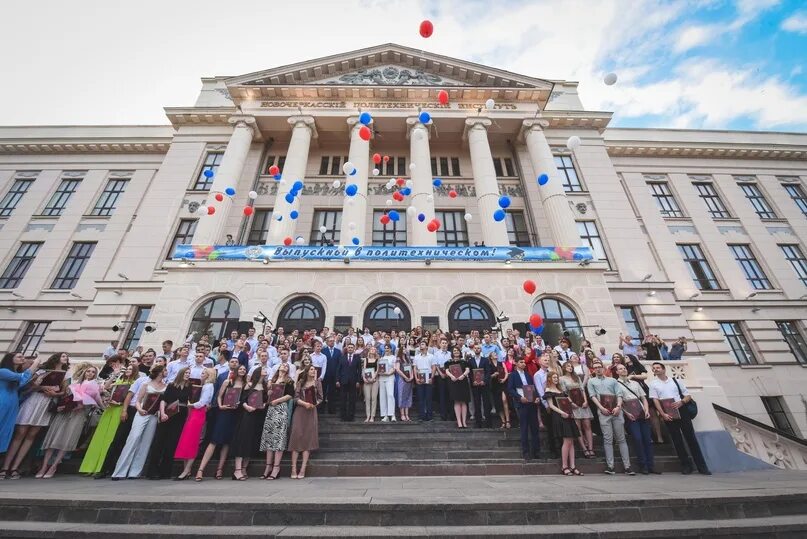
252	395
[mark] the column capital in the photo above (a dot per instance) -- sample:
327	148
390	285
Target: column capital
413	123
245	121
353	126
530	125
475	122
305	121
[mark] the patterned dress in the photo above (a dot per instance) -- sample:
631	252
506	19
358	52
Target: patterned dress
276	425
404	388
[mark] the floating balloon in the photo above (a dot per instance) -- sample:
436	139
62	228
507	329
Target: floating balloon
384	219
499	215
389	202
219	197
442	97
365	118
294	214
376	172
529	286
431	227
336	184
574	142
406	191
300	240
289	198
452	194
298	185
365	133
248	210
401	182
252	195
348	167
211	210
287	241
504	201
386	158
208	173
536	320
437	182
398	196
437	223
538	330
355	240
397	310
323	230
278	218
230	191
489	104
543	179
278	177
426	28
421	217
394	215
425	117
351	189
468	217
355	170
377	158
274	170
411	210
610	79
410	184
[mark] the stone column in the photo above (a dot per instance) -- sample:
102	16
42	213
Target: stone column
422	188
210	227
553	197
494	234
302	130
354	209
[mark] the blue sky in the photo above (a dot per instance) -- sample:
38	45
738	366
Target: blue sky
716	64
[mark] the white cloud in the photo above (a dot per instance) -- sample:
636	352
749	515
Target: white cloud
697	35
796	23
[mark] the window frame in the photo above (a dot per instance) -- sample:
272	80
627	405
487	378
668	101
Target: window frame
783	423
798	263
588	239
258	236
715	206
304	303
793	335
663	195
178	232
392	229
212	161
73	265
109	197
752	269
759	202
456	233
333	234
798	196
738	342
18	266
564	163
61	196
634	323
135	331
30	333
702	264
228	321
19	187
518	236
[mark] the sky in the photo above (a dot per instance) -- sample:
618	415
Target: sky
710	64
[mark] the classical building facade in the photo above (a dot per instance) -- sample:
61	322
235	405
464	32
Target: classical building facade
700	234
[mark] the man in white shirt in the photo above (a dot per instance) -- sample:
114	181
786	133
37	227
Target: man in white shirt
664	387
284	358
425	365
172	368
110	350
367	338
198	365
564	349
261	362
252	341
319	360
543	408
441	356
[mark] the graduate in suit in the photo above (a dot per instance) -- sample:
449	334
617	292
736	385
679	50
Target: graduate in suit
527	411
348	378
329	390
481	391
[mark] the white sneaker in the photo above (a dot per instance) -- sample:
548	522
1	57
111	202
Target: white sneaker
385	419
393	419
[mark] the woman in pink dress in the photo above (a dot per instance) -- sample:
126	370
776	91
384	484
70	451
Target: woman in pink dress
188	446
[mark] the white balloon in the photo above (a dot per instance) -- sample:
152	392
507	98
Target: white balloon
489	104
336	184
351	225
430	198
348	168
397	310
300	240
323	229
574	142
610	79
376	172
468	217
411	210
412	166
252	195
389	202
410	183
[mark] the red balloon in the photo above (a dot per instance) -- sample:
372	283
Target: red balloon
386	158
376	158
287	241
452	194
529	288
398	196
384	219
211	210
442	97
401	182
437	223
365	133
432	226
536	320
219	197
274	169
248	210
426	28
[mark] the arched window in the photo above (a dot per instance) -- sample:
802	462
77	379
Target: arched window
302	313
216	318
467	314
381	316
559	320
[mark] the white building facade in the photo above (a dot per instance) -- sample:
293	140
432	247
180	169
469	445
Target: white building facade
700	234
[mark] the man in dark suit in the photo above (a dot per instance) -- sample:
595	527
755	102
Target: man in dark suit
348	376
527	411
334	356
481	391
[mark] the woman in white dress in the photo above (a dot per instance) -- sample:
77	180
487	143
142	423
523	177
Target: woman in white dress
386	383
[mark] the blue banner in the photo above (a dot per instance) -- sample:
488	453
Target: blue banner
371	253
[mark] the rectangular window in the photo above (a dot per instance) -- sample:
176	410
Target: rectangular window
452	232
341	324
73	265
517	231
794	339
440	166
757	200
497	166
393	234
272	160
707	192
796	192
591	235
136	329
401	167
14	195
796	258
109	198
259	228
455	166
753	271
336	165
735	338
444	166
699	268
332	221
435	171
430	323
32	338
212	162
632	324
504	167
323	165
568	174
183	235
665	201
18	266
775	406
58	201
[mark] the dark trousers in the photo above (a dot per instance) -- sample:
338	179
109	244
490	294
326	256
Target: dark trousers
330	393
441	387
642	443
680	430
551	441
528	426
481	397
424	393
348	401
118	442
166	438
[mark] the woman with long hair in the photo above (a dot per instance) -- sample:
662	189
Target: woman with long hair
498	386
34	413
67	425
12	378
386	385
370	389
616	359
570	381
107	425
191	436
274	438
224	425
245	438
563	425
304	435
405	369
171	415
458	390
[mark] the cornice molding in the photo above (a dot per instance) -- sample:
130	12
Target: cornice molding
86	147
180	116
705	150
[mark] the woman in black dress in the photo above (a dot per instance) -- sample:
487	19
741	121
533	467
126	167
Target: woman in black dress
563	424
458	389
224	425
171	417
245	438
498	384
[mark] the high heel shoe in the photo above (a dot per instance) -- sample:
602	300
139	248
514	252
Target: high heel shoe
199	476
301	475
274	474
294	474
181	477
266	472
51	472
236	478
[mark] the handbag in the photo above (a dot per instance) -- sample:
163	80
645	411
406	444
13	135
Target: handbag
691	407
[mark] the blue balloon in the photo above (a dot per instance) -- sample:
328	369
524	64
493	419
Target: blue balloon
230	191
406	191
425	117
355	241
365	118
277	177
393	215
504	201
499	215
298	185
208	173
437	182
294	214
279	217
289	198
351	189
421	217
538	330
543	179
353	173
